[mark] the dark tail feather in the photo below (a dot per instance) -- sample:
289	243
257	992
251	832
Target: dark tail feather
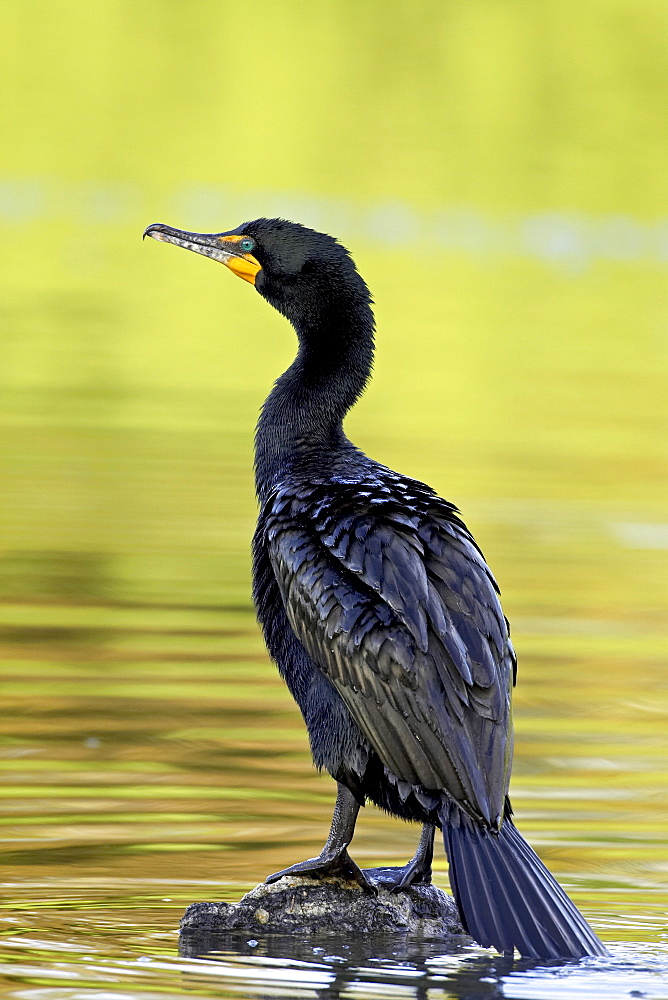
507	898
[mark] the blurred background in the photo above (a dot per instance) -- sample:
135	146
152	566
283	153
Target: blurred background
498	169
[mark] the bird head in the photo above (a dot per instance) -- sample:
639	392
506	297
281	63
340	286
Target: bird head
299	271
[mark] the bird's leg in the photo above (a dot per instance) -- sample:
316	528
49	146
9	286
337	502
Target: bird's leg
418	869
334	859
416	872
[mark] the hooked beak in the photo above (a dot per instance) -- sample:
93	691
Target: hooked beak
219	246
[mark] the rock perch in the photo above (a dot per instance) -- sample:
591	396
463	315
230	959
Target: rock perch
304	906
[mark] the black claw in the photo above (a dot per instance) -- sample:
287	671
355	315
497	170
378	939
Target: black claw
273	878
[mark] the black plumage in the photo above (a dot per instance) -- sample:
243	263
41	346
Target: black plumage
381	613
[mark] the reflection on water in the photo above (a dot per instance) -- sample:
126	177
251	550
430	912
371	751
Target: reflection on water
119	943
499	171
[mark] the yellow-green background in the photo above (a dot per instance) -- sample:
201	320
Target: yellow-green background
498	169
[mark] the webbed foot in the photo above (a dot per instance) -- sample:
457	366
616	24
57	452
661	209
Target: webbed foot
411	874
416	872
399	879
328	865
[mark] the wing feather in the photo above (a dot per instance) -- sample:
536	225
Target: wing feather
396	606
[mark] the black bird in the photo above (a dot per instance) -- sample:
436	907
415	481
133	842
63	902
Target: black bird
381	613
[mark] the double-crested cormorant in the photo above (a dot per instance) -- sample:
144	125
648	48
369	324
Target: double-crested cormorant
381	614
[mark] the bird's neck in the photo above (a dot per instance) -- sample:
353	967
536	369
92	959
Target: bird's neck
301	424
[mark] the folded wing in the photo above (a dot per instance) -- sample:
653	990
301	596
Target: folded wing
392	599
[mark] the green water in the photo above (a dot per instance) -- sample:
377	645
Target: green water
498	170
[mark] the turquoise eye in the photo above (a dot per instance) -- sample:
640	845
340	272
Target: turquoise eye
247	244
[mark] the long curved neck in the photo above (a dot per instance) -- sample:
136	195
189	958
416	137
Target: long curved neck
301	423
